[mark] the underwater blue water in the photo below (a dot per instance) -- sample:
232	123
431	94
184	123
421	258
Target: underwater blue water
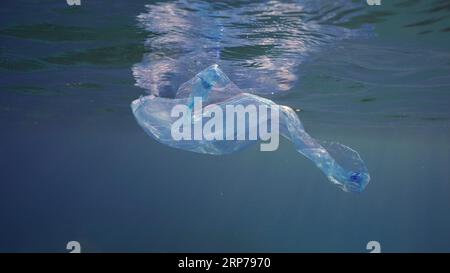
75	165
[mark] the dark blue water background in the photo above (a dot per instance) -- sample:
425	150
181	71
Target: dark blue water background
76	166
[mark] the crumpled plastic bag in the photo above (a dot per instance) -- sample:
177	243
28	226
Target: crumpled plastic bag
154	115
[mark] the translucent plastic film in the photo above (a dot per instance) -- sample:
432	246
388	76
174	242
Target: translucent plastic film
340	164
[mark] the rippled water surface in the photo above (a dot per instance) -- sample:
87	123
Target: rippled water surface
76	166
260	45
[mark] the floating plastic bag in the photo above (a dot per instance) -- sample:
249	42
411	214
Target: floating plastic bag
217	93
